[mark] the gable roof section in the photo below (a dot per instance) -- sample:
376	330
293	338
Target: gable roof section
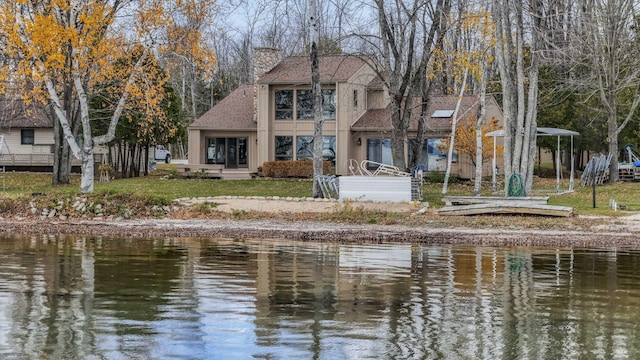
297	69
380	119
17	114
234	112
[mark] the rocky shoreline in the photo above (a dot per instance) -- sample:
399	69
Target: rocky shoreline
307	220
607	237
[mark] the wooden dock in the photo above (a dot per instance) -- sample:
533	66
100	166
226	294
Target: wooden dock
478	205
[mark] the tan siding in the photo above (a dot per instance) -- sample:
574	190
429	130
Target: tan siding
12	143
43	141
265	118
43	137
195	141
376	100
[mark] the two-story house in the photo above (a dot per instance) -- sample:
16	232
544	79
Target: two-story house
272	119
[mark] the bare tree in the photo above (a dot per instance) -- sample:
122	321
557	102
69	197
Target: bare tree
433	43
399	40
317	98
519	102
606	47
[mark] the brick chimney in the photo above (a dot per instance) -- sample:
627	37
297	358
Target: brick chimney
264	59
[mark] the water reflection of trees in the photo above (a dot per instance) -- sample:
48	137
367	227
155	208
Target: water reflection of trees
70	297
56	287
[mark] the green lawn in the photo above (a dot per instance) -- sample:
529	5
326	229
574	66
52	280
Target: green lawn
157	186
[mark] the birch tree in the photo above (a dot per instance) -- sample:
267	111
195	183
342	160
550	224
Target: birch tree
470	59
519	79
452	137
317	98
480	32
65	44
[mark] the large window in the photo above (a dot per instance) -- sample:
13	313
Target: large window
284	147
434	154
304	148
285	102
328	104
304	104
27	137
379	150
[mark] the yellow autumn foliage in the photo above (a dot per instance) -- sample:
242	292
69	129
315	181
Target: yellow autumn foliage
64	51
465	139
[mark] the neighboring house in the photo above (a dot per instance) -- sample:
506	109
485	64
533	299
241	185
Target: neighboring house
26	128
27	134
272	119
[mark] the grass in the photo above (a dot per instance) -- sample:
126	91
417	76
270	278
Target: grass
162	188
581	199
157	185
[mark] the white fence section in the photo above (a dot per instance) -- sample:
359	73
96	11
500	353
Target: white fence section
375	188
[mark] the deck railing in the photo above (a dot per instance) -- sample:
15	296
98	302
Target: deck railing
37	160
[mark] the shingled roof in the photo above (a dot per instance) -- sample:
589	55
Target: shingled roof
17	114
297	69
234	112
380	119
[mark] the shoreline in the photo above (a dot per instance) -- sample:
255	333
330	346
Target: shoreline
622	235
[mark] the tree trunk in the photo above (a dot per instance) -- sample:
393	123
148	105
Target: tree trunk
519	106
146	160
86	182
317	100
124	155
400	124
422	125
454	122
477	186
612	137
61	156
132	163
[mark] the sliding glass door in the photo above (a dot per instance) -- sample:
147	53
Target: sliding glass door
230	152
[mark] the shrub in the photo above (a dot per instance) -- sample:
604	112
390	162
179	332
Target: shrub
294	169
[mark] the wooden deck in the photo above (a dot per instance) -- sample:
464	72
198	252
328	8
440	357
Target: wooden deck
15	160
211	171
478	205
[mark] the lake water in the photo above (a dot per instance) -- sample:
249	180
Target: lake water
96	298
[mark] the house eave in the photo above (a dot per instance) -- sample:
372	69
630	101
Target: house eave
305	83
222	129
370	129
388	129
